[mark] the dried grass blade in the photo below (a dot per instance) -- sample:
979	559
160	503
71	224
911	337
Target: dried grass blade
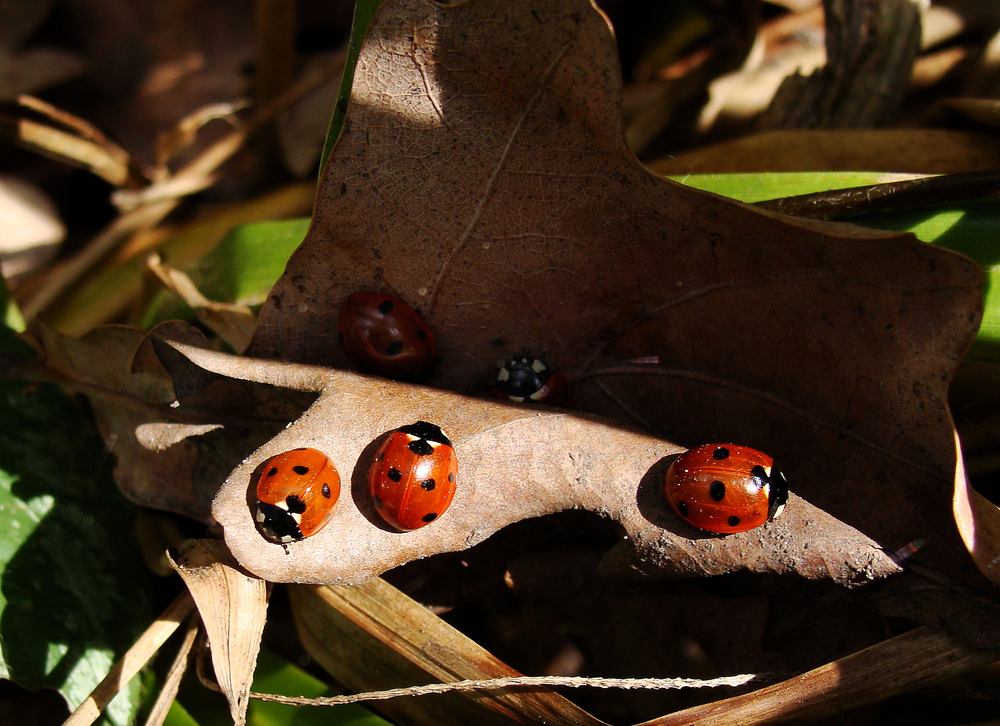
69	148
148	216
172	682
132	662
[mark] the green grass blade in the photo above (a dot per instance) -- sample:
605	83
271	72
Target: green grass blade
364	13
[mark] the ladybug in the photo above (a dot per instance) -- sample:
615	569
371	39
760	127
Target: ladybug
297	494
528	379
383	334
725	488
412	477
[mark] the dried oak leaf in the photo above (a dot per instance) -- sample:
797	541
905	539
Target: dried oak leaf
176	430
482	176
514	463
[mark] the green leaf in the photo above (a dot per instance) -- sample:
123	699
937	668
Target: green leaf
759	187
178	716
970	229
364	13
242	268
275	675
11	313
73	592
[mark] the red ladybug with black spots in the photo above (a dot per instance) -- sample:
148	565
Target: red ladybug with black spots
296	494
383	334
412	477
725	488
526	379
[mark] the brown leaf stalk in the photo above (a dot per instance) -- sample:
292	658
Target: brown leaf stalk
148	216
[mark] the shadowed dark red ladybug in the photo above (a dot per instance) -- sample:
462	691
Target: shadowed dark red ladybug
384	335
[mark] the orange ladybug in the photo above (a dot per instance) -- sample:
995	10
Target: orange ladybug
297	493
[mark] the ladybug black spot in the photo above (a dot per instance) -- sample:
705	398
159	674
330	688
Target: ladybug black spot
430	517
733	521
720	453
395	474
682	507
427	485
326	491
273	471
420	447
295	505
758	473
385	307
717	490
421	334
300	470
451	477
395	348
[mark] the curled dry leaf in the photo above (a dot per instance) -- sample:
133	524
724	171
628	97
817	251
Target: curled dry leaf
514	463
233	607
482	176
176	430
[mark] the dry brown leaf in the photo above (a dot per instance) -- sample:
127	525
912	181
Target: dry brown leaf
175	429
37	69
916	151
233	323
984	110
870	47
515	463
978	522
33	229
482	177
233	607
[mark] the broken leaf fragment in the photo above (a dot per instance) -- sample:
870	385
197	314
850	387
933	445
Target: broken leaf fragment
233	608
176	430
